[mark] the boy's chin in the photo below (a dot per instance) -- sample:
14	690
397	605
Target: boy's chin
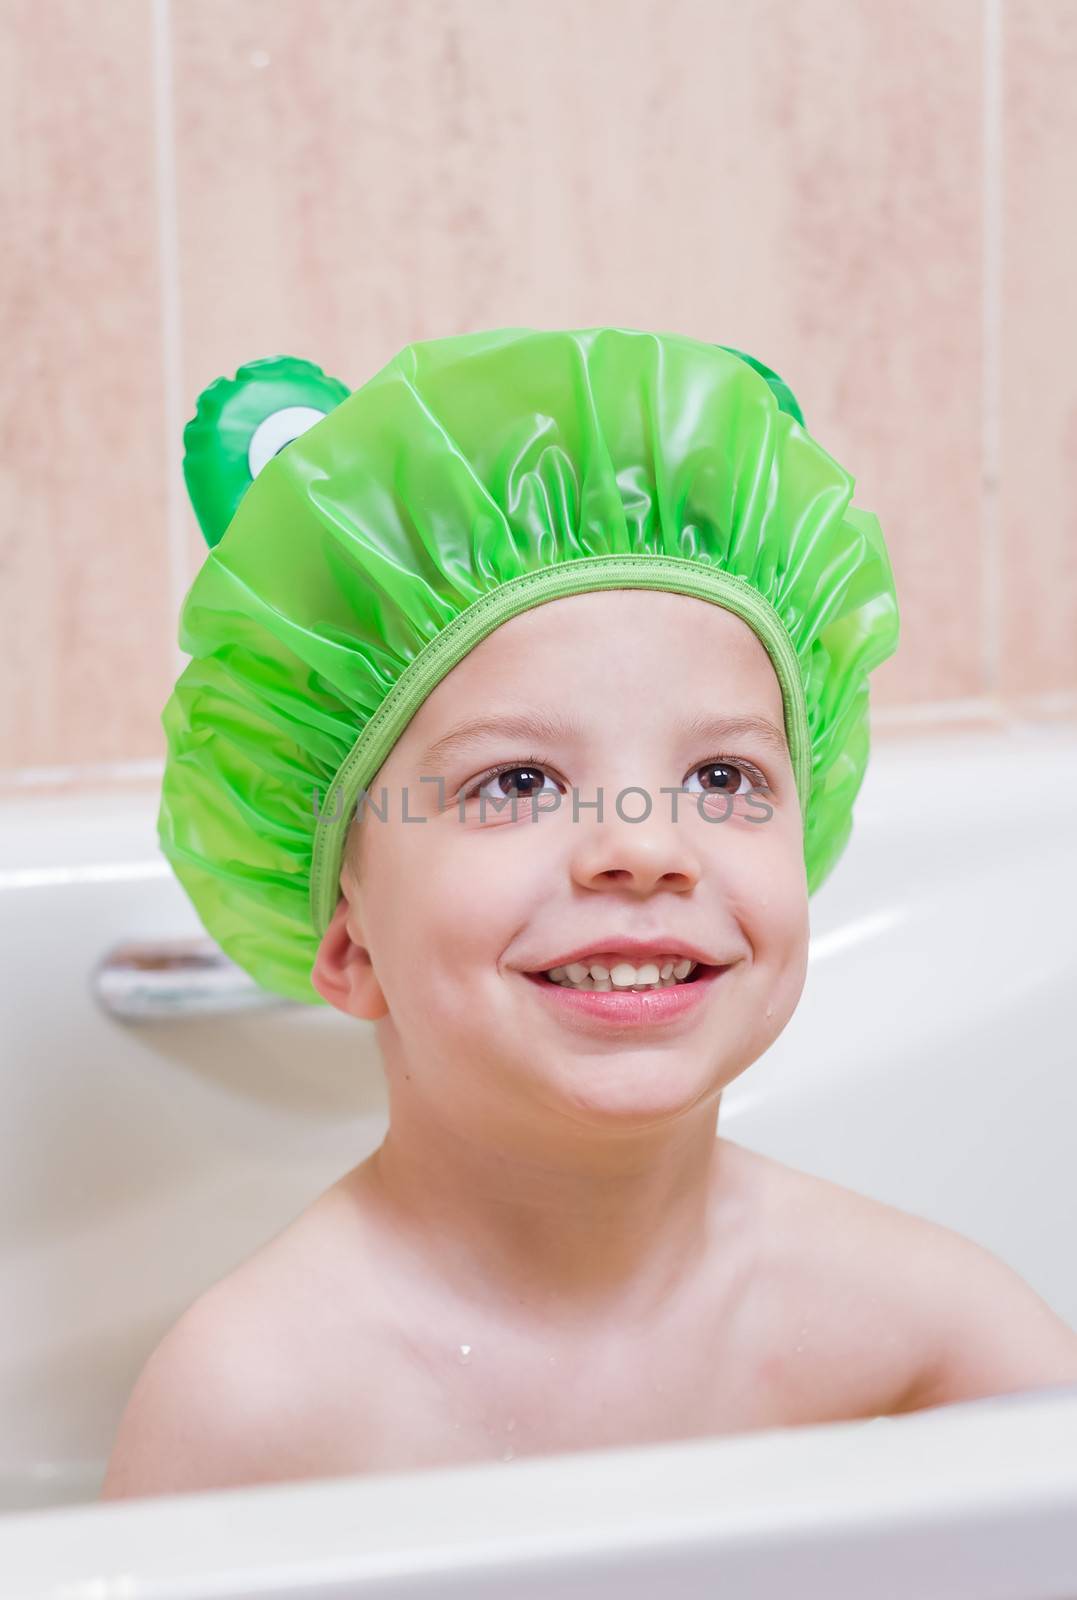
638	1083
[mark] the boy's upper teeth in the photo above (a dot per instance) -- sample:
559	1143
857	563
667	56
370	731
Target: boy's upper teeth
623	973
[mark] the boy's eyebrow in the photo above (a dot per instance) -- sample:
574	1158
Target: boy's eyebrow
721	728
508	725
544	729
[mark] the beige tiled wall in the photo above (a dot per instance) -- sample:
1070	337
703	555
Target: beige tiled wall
871	198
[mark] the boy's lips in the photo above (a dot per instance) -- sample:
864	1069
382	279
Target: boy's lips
630	1007
636	950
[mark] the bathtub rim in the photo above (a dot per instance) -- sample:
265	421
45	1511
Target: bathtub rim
941	1485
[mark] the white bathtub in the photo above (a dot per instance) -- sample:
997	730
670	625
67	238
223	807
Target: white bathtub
931	1063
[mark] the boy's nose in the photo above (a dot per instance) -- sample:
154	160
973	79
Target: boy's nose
635	857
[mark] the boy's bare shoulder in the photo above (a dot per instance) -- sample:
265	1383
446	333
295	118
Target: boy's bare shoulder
928	1314
198	1409
232	1395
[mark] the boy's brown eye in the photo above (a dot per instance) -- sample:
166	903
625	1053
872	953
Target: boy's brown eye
724	777
724	769
531	782
526	783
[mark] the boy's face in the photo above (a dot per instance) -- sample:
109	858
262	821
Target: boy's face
441	918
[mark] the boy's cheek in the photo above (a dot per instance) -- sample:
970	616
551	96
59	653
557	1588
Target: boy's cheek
456	906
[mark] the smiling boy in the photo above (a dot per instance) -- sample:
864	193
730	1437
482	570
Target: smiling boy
574	905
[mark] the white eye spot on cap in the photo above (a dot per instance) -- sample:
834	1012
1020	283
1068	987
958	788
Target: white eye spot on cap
277	430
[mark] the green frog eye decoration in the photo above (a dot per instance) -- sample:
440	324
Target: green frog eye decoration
241	423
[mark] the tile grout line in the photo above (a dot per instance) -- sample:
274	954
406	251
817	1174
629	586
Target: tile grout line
171	325
1054	704
991	355
134	771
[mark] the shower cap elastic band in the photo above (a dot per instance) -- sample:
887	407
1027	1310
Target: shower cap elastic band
362	543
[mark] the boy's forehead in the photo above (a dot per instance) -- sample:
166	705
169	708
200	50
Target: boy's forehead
615	634
556	672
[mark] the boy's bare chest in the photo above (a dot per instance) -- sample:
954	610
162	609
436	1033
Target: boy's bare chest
409	1397
403	1380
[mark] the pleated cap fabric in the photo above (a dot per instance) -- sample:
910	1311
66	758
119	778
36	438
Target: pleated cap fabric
469	479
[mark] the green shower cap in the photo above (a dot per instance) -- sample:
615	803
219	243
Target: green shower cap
468	480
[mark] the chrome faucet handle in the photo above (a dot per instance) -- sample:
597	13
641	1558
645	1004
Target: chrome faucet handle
148	980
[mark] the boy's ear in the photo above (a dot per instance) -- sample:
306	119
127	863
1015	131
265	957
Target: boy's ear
343	973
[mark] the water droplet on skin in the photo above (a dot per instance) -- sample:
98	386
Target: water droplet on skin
508	1455
766	902
551	1360
510	1424
770	1011
800	1347
465	1352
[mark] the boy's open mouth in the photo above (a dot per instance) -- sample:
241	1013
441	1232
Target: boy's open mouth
614	1000
602	977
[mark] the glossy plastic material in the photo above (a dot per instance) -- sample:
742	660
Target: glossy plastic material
469	479
266	405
